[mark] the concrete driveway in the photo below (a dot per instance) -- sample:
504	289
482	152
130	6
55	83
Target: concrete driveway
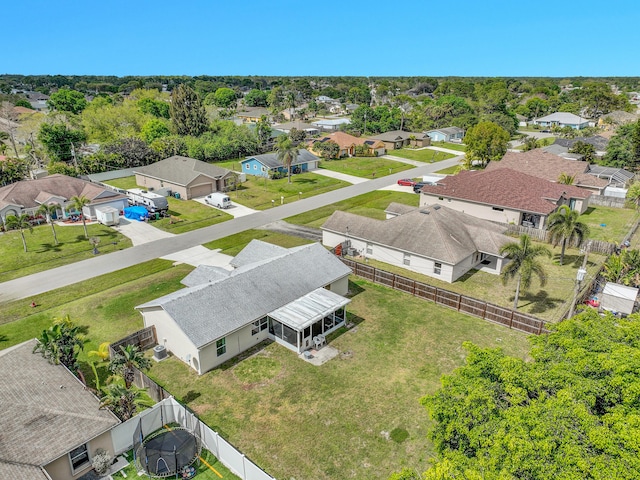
235	210
140	232
352	179
200	255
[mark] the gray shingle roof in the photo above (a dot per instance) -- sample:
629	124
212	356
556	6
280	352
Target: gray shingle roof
599	142
563	117
435	232
16	471
46	412
270	160
396	135
448	130
182	170
211	311
204	274
256	251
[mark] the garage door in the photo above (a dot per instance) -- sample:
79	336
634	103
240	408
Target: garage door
200	190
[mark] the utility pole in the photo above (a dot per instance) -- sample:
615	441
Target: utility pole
582	271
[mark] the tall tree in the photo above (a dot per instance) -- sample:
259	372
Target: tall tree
486	142
49	210
126	360
524	264
187	112
78	203
10	124
60	141
565	227
66	100
263	131
21	223
286	152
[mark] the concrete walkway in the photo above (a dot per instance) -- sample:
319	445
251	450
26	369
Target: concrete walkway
445	150
352	179
415	163
235	210
99	265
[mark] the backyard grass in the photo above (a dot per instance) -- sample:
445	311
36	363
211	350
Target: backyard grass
366	167
258	192
609	224
357	416
42	254
125	182
232	244
451	146
370	204
448	171
423	155
203	471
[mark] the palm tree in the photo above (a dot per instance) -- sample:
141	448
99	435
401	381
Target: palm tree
565	226
126	361
78	203
523	264
566	179
49	210
22	223
287	152
61	343
97	358
124	401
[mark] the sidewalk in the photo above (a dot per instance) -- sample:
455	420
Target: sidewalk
445	150
340	176
415	163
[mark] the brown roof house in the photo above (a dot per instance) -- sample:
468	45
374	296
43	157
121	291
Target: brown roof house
186	176
504	195
550	167
397	139
348	143
433	240
51	424
26	196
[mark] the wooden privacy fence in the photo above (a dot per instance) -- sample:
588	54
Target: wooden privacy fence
596	246
470	306
143	339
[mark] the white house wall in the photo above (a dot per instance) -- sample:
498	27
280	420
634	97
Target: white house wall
166	328
236	342
340	286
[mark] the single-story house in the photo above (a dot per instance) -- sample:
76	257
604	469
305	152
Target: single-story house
286	295
550	167
432	240
262	165
298	125
252	114
347	144
562	119
617	117
448	134
598	142
397	139
332	124
51	424
616	177
26	196
187	176
504	195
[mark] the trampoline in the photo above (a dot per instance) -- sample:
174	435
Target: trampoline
166	453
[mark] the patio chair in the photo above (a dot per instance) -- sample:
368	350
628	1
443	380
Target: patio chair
317	342
323	339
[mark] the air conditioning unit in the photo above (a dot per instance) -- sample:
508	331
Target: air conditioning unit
159	352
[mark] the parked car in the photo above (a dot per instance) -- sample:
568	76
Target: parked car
406	182
418	186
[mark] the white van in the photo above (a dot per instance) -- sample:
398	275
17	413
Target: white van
217	199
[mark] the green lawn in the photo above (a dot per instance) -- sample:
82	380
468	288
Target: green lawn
125	182
233	244
542	142
366	167
448	171
258	192
357	416
451	146
609	224
42	254
423	155
370	204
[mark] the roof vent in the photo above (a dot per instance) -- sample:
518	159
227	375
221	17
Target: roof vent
436	207
425	212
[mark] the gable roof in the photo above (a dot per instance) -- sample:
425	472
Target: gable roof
26	192
434	231
448	130
270	160
505	188
212	310
344	140
546	165
46	412
253	112
397	135
204	274
298	125
182	170
599	143
256	251
563	117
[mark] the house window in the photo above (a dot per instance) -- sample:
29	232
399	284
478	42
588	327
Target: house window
255	167
497	209
79	457
437	268
247	166
259	325
264	169
369	249
440	198
221	346
406	259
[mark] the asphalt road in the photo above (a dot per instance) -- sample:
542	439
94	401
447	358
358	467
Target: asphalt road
85	270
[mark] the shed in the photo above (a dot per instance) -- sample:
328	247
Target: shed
108	215
618	298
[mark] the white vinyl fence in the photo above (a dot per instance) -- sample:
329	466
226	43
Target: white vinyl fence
168	411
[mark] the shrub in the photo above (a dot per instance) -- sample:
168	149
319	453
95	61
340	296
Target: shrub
101	461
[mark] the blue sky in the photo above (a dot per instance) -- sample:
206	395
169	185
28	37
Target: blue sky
293	37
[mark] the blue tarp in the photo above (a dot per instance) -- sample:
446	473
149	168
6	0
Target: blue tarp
136	213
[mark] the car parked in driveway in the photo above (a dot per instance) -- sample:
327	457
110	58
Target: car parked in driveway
406	182
418	186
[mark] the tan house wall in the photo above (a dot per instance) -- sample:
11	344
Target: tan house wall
60	469
177	342
236	342
155	184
